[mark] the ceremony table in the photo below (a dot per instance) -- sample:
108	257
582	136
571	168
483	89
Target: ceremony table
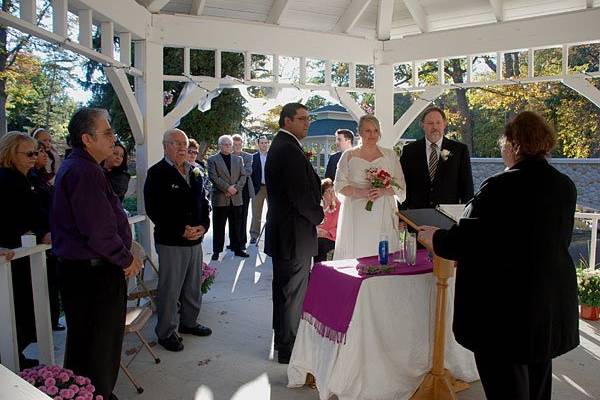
370	337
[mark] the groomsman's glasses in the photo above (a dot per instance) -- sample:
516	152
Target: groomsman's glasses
110	133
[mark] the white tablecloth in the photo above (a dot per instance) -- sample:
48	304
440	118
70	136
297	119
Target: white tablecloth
388	344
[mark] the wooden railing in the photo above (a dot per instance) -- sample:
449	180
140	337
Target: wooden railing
39	282
593	218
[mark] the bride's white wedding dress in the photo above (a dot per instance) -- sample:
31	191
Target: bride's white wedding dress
359	230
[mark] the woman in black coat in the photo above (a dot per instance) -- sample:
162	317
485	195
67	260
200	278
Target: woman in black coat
115	168
20	213
515	302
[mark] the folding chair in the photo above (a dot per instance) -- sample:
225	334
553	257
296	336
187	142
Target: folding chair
144	288
135	320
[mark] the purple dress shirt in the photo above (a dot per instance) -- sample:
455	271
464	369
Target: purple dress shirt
87	219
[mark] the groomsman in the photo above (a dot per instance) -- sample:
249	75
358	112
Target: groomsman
247	191
227	176
437	170
259	160
344	140
176	203
293	214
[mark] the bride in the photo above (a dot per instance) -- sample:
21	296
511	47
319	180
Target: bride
359	230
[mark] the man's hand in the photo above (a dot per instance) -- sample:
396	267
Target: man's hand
322	233
7	253
134	268
425	235
194	232
232	190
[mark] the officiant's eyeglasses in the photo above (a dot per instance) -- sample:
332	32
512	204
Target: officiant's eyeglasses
303	119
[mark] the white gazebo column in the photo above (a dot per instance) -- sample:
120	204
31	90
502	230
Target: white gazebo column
149	94
384	102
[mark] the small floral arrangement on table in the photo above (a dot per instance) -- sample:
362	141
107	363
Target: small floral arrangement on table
60	383
208	277
379	178
377	269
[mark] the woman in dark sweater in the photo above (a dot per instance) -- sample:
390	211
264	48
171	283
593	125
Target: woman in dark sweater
115	168
20	213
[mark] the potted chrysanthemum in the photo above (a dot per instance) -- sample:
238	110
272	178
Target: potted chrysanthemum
60	383
588	283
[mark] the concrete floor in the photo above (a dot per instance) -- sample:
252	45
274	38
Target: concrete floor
236	361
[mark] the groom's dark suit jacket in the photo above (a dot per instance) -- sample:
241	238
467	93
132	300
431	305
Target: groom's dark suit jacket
294	201
452	184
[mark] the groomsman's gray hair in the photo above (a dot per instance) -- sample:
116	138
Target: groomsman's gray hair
225	138
167	135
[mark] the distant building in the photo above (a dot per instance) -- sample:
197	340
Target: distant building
321	133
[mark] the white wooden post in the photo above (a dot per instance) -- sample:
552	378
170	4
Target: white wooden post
41	304
85	28
107	33
384	102
28	11
593	242
218	73
352	75
9	351
125	46
530	61
59	17
499	64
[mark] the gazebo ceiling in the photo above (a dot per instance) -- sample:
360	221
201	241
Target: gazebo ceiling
381	19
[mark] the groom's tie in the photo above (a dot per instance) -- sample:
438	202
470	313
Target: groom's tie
433	161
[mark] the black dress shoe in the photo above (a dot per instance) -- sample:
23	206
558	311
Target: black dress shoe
252	241
228	247
172	343
198	330
215	256
25	362
241	253
58	327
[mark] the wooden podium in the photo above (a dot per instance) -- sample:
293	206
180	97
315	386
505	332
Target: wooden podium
439	384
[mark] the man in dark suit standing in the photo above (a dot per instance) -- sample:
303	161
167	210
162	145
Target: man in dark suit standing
176	203
247	191
259	159
293	214
437	170
226	172
344	140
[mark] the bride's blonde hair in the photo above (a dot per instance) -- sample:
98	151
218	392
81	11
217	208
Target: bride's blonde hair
369	118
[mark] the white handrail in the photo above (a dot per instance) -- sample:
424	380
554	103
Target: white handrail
593	217
39	282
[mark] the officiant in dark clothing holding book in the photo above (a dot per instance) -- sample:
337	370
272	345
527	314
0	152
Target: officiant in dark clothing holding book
291	235
437	170
515	303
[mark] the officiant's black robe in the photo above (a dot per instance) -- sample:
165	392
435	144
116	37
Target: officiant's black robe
516	288
290	234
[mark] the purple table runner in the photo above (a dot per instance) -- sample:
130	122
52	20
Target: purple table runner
333	290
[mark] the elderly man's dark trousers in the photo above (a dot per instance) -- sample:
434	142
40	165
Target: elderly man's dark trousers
94	299
222	215
503	380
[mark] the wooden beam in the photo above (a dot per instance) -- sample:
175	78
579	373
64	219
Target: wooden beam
498	9
584	87
85	28
125	47
417	12
107	39
546	31
59	17
154	6
385	14
277	9
198	7
128	16
120	84
351	15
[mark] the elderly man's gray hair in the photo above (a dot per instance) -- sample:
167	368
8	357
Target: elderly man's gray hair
167	135
225	139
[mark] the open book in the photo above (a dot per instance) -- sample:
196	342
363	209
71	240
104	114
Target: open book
454	211
426	216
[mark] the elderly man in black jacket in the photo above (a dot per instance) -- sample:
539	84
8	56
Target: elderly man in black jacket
176	202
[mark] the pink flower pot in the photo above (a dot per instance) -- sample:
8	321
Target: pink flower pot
589	312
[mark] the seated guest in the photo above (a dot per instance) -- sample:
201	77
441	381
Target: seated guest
40	180
115	169
20	214
326	231
517	228
53	160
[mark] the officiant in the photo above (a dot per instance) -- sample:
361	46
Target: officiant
515	302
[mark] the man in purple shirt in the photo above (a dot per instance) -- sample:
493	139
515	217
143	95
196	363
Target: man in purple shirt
92	240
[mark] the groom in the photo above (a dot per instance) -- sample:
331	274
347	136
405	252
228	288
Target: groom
293	214
437	170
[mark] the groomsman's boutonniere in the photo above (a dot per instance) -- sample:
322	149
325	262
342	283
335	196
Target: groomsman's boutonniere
445	154
197	172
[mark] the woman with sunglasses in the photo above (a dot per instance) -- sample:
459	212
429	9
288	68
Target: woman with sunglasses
20	213
115	168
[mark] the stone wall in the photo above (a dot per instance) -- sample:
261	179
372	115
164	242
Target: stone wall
584	172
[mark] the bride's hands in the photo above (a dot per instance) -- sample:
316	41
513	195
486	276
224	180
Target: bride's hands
376	193
361	193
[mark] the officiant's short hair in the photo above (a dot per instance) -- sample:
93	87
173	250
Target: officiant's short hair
429	110
531	134
289	111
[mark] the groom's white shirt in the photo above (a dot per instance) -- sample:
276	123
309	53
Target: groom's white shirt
292	135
